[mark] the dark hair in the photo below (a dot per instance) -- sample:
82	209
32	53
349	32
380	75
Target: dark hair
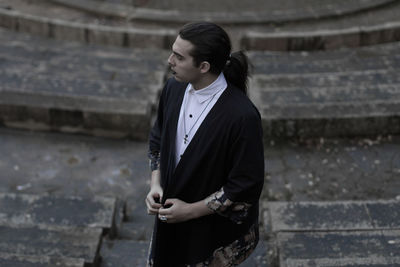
212	44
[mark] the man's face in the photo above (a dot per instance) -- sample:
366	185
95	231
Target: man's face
181	62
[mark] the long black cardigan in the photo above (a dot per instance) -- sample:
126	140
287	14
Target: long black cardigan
226	151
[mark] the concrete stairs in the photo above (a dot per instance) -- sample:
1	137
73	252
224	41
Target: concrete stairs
352	233
259	25
33	164
50	85
83	87
337	93
124	253
44	230
111	91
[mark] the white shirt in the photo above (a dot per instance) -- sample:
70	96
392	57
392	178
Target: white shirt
195	106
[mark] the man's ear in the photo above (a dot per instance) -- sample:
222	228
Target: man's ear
204	67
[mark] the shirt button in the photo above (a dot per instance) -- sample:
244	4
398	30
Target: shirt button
190	115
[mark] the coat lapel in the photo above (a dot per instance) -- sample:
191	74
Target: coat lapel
178	182
171	130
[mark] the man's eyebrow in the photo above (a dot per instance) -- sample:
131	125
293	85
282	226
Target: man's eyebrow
177	54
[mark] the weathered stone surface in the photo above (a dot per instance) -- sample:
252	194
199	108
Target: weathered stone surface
341	93
289	25
105	35
57	212
330	170
33	25
385	215
332	216
11	260
222	11
371	248
352	262
75	25
8	19
259	257
360	30
310	65
75	242
124	253
317	216
85	89
67	31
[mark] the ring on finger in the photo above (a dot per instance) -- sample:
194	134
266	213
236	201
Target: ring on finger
163	218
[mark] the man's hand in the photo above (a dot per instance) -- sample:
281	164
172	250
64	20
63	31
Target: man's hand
153	198
176	210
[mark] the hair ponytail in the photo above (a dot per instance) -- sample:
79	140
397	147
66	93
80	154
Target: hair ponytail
236	70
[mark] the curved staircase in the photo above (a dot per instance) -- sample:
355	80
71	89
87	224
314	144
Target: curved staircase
97	67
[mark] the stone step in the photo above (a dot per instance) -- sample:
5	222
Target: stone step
26	210
50	85
332	216
339	93
33	56
124	253
91	115
365	248
52	244
341	233
130	74
13	260
310	66
271	26
362	29
254	11
73	25
274	95
328	113
314	82
26	55
259	257
378	58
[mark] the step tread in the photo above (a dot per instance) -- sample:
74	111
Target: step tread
353	93
374	58
332	216
124	253
72	242
341	248
14	260
144	23
48	85
56	212
253	11
176	11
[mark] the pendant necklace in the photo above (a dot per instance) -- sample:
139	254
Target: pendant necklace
186	136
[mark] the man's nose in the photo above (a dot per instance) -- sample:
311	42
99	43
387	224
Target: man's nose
170	59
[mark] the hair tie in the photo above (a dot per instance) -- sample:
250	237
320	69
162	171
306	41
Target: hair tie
228	61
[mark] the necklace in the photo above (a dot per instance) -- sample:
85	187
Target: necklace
186	136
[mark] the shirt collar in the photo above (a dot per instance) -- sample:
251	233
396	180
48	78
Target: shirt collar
206	93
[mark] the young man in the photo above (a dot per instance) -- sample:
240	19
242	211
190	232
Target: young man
206	155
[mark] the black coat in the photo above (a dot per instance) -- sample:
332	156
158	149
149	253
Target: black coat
226	151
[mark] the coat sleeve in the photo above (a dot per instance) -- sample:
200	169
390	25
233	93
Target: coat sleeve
155	133
246	177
